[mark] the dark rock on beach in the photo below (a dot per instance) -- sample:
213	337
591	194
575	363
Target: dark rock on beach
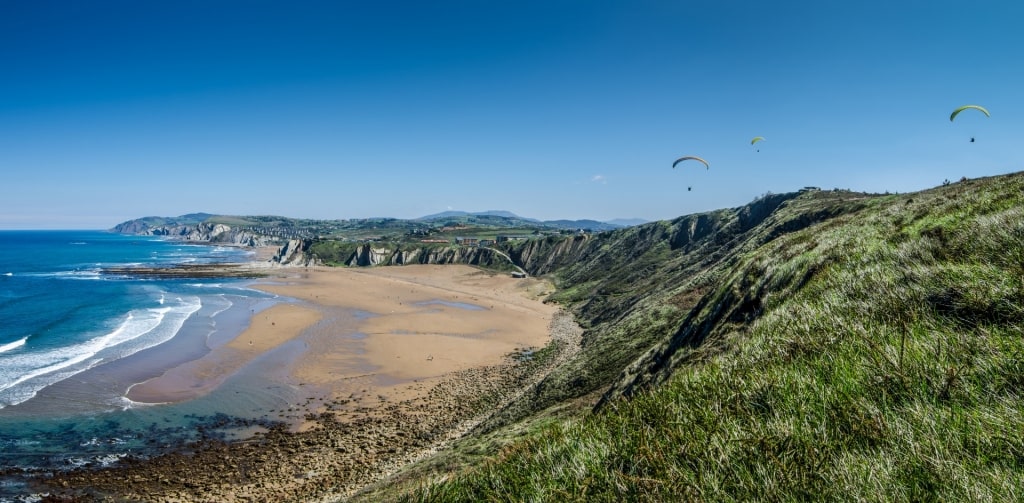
188	271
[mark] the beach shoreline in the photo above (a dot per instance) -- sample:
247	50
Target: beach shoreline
387	363
404	325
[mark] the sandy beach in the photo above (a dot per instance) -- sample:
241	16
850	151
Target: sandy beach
412	324
398	362
425	321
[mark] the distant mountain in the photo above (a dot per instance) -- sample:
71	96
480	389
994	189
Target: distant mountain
501	213
592	225
444	214
627	222
488	213
195	217
511	219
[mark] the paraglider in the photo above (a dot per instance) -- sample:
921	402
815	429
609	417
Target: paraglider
693	158
965	107
757	139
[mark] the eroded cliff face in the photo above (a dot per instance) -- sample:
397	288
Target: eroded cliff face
206	233
295	252
543	256
302	252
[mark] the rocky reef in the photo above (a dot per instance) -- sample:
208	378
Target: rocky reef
187	271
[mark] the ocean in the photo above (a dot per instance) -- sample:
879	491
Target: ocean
73	340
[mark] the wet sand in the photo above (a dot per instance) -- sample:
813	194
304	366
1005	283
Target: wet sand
267	330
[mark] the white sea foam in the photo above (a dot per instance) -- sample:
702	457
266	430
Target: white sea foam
103	460
23	374
206	285
228	306
125	403
14	394
13	345
94	441
79	274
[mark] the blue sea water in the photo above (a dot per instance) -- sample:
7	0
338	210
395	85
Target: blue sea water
59	316
73	340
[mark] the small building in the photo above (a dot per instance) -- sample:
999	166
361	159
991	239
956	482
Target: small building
466	241
486	242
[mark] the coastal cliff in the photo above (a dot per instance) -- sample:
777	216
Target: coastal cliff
389	254
203	232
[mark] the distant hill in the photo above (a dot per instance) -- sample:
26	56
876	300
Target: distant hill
592	225
493	213
141	225
627	222
516	220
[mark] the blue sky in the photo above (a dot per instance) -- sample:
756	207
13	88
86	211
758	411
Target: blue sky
550	109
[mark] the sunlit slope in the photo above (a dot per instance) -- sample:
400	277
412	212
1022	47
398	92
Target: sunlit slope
633	289
876	354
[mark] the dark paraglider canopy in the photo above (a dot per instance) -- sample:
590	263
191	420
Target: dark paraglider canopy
693	158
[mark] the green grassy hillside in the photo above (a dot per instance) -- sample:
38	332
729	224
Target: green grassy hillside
825	345
634	288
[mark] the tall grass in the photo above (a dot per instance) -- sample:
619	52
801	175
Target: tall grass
887	364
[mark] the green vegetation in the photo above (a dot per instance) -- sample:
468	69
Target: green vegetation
392	230
830	345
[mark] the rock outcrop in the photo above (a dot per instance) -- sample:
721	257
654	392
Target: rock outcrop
302	252
212	233
369	255
204	232
295	253
542	256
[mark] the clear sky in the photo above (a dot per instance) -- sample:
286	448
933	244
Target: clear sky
550	109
